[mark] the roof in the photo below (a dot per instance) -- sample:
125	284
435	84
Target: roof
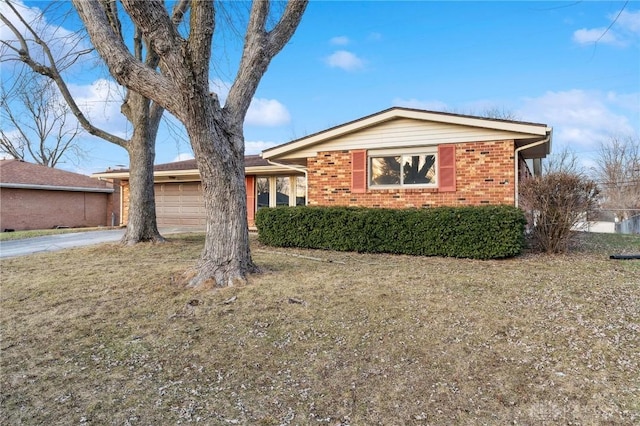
249	161
21	174
519	129
184	168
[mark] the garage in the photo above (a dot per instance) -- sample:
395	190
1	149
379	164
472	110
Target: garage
180	204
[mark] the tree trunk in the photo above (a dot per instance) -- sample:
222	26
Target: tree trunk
141	224
226	257
215	133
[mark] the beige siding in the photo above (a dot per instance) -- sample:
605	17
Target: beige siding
180	204
405	132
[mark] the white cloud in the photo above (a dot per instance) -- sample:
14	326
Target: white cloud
340	40
100	101
629	21
345	60
621	30
267	112
256	147
61	41
600	35
581	119
262	111
374	36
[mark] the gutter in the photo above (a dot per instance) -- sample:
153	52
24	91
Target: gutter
55	188
298	169
517	157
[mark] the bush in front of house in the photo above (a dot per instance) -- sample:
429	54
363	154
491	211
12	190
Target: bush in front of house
484	232
556	203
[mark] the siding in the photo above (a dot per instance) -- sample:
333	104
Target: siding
405	132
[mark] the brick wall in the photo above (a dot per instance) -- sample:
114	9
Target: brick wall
23	209
484	175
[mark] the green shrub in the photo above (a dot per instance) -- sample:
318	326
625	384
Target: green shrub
485	232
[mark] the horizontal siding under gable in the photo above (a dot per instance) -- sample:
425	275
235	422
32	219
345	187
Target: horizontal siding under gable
405	132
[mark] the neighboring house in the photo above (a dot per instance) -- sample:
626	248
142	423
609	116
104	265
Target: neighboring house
38	197
397	158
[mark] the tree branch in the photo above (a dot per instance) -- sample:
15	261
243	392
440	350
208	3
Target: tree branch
124	67
259	49
53	73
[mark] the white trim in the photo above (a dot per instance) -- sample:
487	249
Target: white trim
426	150
55	188
516	162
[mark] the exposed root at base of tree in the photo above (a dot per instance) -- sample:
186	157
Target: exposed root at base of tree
156	239
215	278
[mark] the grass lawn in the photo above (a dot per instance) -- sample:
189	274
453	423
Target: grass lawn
104	335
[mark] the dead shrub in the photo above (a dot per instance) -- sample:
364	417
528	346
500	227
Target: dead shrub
555	204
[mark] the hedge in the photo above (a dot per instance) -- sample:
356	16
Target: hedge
483	232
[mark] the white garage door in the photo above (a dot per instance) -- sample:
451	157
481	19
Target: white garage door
180	204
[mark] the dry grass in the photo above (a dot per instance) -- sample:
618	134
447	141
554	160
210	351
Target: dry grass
103	335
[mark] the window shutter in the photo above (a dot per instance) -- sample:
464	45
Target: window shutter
447	168
250	182
358	172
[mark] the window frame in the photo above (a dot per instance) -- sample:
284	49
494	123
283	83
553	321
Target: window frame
272	181
403	155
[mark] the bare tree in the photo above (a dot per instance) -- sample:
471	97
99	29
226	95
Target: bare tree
37	125
618	172
565	161
215	131
142	113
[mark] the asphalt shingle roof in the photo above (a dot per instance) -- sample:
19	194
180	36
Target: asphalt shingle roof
21	172
249	161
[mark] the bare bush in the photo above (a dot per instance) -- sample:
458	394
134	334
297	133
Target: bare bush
555	203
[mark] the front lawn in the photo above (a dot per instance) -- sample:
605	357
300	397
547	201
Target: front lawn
104	335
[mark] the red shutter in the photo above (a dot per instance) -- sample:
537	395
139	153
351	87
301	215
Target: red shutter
358	172
250	182
447	168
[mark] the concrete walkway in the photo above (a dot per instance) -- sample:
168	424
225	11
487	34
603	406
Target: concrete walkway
26	246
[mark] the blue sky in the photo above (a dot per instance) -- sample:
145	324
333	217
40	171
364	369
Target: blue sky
548	62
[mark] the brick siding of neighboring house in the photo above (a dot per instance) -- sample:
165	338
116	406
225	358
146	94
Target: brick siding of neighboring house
24	209
484	175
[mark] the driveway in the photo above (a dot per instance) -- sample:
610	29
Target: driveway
13	248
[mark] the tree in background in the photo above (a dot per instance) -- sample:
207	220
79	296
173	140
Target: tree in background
215	130
617	170
44	57
41	130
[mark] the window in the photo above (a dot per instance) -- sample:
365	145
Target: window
262	191
273	191
301	191
282	191
402	170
